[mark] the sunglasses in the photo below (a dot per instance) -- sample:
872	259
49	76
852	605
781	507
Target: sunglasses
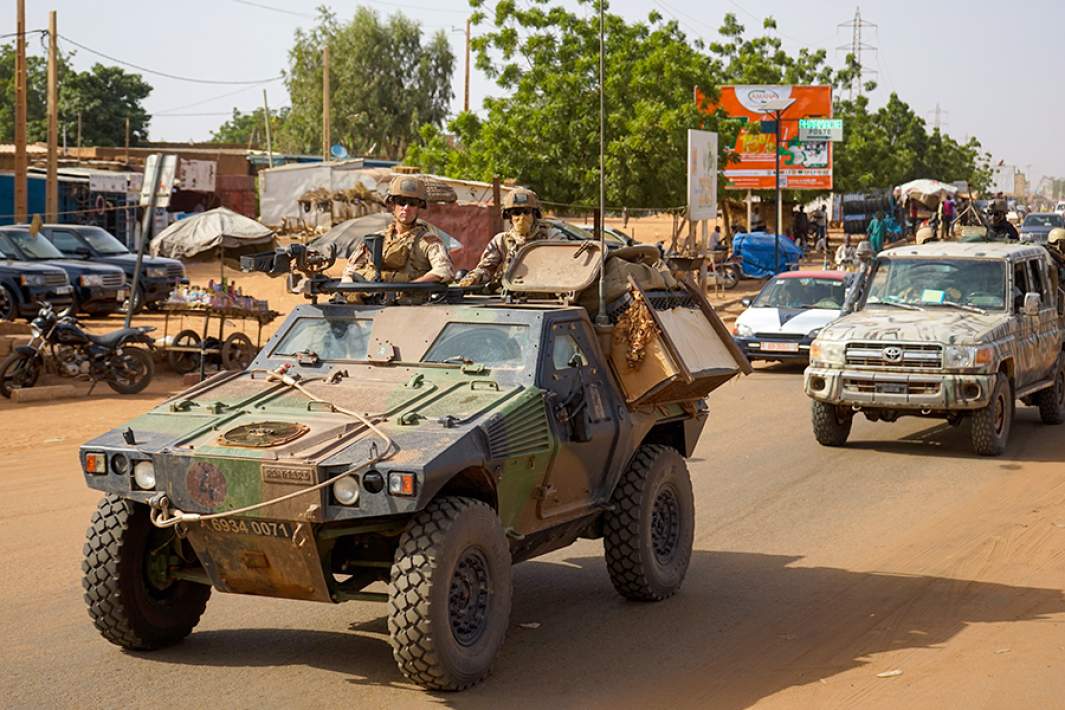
407	201
519	211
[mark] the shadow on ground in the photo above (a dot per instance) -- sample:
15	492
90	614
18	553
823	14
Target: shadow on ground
745	626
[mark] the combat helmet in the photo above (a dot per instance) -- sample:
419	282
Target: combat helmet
1056	239
521	198
408	186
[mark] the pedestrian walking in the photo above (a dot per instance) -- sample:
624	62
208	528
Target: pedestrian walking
875	232
946	216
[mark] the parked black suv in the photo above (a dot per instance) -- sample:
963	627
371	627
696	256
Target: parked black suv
159	276
99	289
23	285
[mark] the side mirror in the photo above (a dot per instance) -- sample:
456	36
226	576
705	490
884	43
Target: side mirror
746	301
1032	301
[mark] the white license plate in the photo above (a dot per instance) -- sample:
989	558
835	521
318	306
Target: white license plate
64	289
121	295
780	347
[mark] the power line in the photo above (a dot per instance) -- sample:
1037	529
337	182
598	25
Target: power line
402	6
208	100
165	74
275	9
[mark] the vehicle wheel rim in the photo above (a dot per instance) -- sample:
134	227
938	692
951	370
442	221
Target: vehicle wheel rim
469	597
21	375
1000	414
665	525
130	370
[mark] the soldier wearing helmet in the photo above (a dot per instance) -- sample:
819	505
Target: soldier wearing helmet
412	252
1001	229
522	208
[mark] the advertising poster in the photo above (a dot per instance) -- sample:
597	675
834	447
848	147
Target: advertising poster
702	175
803	165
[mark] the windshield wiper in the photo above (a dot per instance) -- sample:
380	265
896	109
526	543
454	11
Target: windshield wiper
897	304
460	359
964	307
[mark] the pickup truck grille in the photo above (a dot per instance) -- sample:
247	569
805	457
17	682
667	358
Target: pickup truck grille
891	355
114	280
795	337
855	385
53	279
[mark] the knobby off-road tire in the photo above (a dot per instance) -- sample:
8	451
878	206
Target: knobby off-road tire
647	536
1051	401
18	371
830	429
127	610
449	594
990	431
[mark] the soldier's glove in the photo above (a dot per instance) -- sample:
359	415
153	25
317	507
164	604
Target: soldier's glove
467	281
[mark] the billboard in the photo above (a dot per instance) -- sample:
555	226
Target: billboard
803	165
702	175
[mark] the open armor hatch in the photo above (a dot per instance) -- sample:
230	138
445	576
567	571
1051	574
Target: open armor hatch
666	345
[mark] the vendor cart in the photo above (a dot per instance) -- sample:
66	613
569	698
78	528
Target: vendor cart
190	349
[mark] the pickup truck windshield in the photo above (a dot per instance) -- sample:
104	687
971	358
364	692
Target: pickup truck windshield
980	283
798	293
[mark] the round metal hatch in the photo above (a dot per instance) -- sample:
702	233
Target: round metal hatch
263	434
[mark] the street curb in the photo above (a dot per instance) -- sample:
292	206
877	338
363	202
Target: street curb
39	394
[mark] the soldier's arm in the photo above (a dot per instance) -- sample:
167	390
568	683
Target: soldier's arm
491	258
439	260
357	259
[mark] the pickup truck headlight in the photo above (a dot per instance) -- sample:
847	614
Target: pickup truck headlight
92	280
156	272
744	330
828	352
963	357
32	280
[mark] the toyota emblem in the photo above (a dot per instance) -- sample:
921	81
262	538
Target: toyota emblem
892	353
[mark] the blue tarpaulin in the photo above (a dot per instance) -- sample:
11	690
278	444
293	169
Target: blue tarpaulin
756	249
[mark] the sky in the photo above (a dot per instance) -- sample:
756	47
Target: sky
990	67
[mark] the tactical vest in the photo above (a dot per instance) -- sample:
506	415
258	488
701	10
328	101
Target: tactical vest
397	263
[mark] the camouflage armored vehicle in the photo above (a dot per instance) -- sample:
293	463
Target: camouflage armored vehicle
409	454
945	330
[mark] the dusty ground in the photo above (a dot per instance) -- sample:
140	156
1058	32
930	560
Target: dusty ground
815	570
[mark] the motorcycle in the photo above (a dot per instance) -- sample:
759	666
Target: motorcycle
110	358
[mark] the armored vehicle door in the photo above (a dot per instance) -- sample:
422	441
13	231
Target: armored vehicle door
584	416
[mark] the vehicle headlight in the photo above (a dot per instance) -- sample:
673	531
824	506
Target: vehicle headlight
34	330
144	475
156	272
744	330
812	335
346	490
92	280
32	280
828	352
962	357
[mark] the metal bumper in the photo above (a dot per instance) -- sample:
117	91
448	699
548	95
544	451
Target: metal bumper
756	348
898	390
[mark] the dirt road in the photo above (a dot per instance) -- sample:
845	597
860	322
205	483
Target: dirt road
815	570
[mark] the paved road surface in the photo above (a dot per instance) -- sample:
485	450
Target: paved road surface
815	570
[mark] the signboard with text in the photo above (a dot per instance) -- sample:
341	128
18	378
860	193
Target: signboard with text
702	175
821	129
804	165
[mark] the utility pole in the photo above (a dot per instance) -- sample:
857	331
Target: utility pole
127	140
269	145
857	47
20	116
51	195
466	86
325	103
937	114
79	135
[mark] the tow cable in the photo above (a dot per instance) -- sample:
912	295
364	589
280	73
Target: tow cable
163	516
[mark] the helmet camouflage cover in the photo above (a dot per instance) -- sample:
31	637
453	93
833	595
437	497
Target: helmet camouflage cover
408	186
521	198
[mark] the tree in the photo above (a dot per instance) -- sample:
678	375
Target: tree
106	96
250	128
385	83
36	94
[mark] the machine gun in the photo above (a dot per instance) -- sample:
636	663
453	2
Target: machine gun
305	269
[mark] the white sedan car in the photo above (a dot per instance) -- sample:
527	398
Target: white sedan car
789	312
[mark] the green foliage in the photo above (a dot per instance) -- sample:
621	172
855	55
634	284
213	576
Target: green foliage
385	83
892	145
104	95
250	129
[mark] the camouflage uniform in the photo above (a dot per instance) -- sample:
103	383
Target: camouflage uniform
405	257
501	250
